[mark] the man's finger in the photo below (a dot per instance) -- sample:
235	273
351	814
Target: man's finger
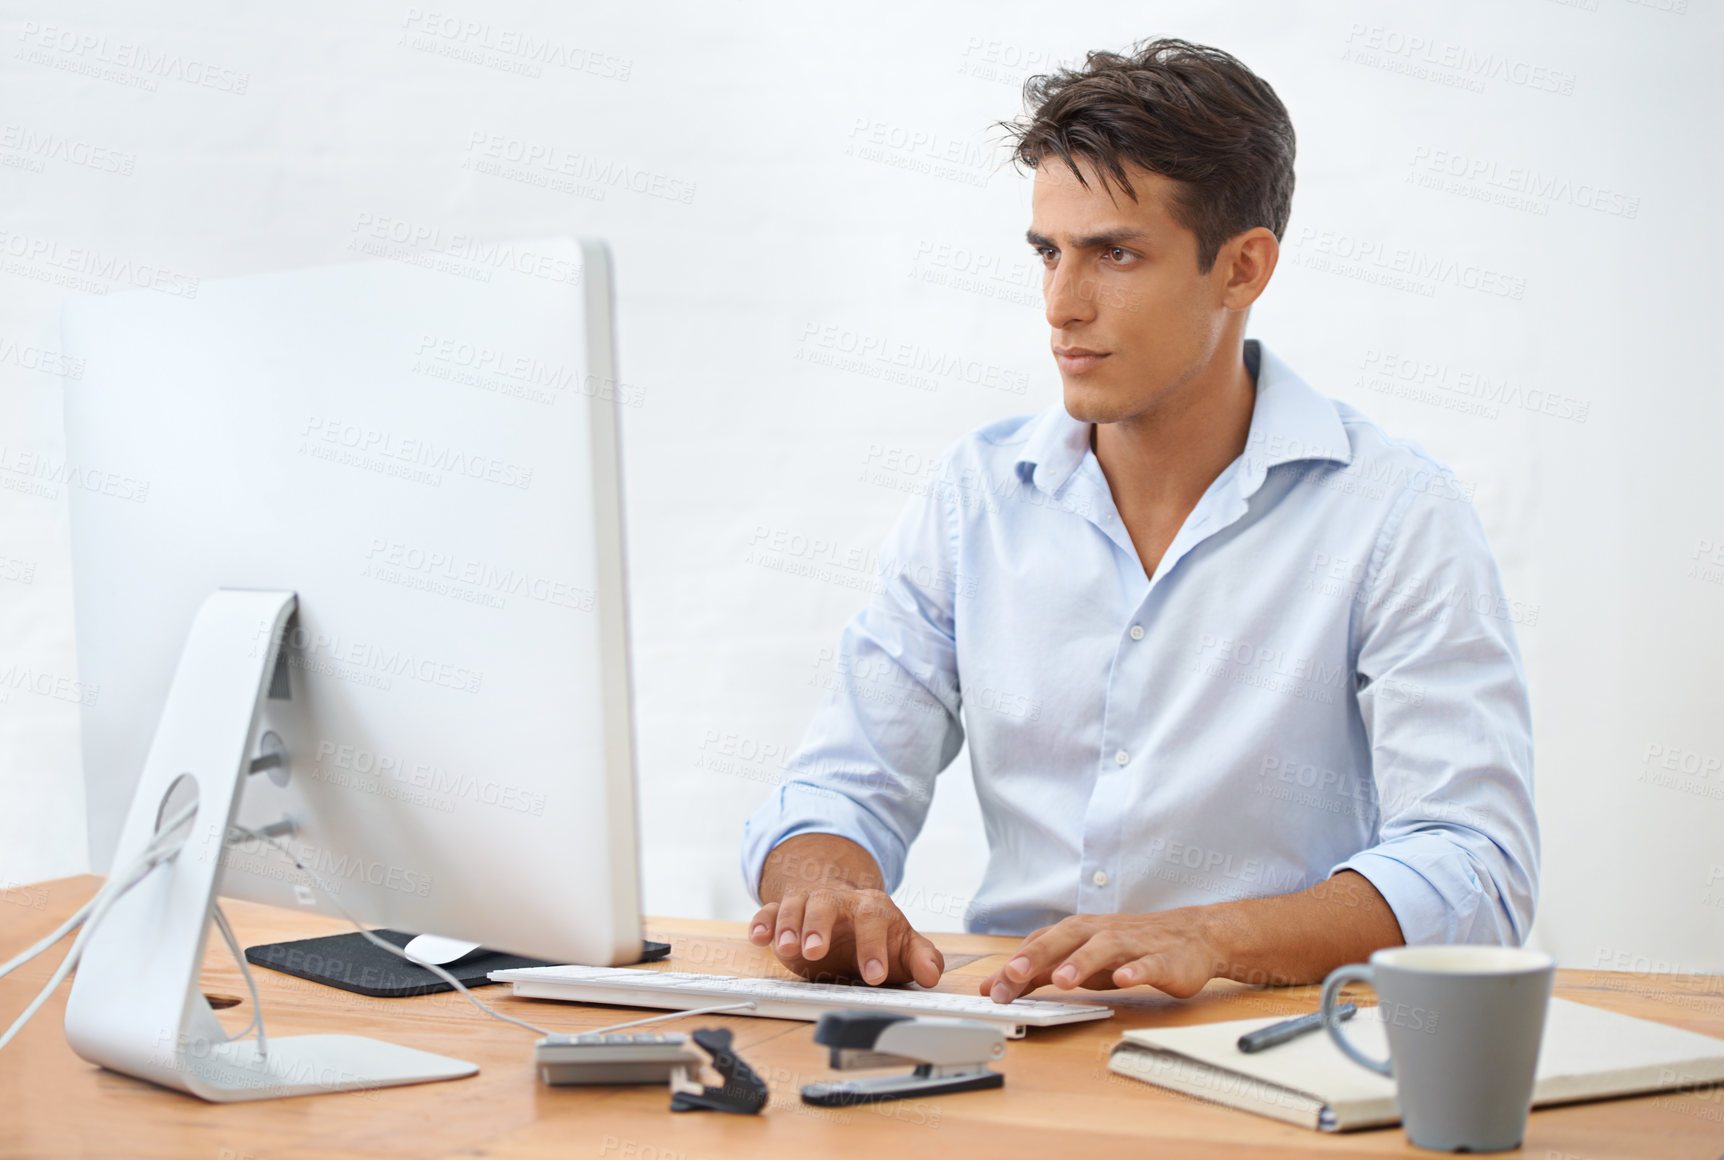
1044	951
1167	971
1100	981
761	926
927	964
1148	969
818	915
870	922
1005	990
1099	955
788	938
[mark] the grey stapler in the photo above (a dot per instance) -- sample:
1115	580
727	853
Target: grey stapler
951	1055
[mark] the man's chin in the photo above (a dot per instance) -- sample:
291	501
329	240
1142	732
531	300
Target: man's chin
1090	402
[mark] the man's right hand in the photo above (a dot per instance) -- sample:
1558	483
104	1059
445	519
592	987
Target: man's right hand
827	918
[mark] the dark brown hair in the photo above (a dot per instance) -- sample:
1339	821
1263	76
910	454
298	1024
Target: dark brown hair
1188	112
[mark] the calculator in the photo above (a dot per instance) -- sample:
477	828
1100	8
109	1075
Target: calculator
612	1057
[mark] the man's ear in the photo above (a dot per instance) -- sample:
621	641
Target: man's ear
1246	262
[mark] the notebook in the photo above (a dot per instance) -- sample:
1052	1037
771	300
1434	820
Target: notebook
1588	1053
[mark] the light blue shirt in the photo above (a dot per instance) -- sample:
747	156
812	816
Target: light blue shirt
1321	674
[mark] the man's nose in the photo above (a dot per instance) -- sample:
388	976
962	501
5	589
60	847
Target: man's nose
1067	304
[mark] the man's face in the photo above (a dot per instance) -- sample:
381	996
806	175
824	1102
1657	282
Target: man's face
1133	320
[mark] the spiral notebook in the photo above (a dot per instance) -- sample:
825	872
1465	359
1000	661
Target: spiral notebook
1588	1054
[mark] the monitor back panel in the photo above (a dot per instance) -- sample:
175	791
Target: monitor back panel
429	459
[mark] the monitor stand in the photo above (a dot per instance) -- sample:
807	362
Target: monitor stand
135	1005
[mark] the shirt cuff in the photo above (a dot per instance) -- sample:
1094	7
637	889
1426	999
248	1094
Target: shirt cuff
1424	914
803	809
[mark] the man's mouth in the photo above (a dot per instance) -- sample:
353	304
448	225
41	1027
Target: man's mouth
1075	360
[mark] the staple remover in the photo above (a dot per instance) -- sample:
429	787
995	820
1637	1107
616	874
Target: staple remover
739	1089
950	1055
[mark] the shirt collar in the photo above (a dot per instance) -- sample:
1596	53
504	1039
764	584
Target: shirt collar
1290	422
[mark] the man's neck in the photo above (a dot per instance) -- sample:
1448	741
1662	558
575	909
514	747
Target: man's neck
1159	463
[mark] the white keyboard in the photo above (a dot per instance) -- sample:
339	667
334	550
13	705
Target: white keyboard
780	998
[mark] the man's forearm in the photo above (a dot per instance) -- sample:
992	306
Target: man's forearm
1300	938
809	860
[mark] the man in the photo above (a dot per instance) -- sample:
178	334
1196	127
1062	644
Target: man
1242	694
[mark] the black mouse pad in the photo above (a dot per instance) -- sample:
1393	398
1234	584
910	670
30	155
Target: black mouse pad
352	963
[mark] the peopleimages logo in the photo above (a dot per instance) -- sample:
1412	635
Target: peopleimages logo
106	58
366	662
373	449
1514	186
599	172
528	370
481	42
39	473
1448	62
47	254
29	357
418	782
375	233
55	686
1399	267
1464	389
910	363
450	574
351	868
36	147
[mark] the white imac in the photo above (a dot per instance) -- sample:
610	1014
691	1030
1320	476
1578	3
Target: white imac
347	550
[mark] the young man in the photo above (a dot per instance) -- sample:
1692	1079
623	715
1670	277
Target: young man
1242	694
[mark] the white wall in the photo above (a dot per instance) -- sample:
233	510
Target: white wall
842	176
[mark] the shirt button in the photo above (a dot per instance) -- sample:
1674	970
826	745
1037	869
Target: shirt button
1107	517
1122	757
1099	878
1137	632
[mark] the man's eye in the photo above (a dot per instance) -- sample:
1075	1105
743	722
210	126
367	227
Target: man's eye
1116	254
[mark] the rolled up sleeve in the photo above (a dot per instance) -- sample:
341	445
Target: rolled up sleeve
1443	697
889	720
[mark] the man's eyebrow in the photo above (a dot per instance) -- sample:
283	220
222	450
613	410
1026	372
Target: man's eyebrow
1111	237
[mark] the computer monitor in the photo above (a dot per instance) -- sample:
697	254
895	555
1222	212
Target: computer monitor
398	481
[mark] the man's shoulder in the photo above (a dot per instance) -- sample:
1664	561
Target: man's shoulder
1391	466
1367	438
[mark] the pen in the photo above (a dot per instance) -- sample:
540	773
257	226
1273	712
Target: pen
1289	1029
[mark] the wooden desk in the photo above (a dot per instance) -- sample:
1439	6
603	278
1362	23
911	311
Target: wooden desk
1059	1099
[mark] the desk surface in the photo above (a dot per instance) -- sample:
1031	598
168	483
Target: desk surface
1059	1098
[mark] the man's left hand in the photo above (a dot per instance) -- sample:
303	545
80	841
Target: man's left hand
1172	950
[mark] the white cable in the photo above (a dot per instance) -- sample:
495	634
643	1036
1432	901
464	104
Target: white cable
438	970
667	1015
65	928
250	985
83	912
374	940
164	847
158	851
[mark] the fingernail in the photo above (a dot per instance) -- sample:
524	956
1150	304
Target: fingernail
873	971
759	929
1001	993
1019	966
1129	974
787	941
811	944
1066	976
